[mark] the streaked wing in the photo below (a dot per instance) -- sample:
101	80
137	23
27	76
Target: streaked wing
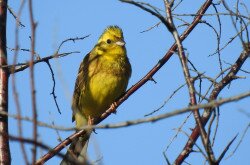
80	85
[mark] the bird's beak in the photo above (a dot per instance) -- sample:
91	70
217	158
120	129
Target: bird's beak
120	43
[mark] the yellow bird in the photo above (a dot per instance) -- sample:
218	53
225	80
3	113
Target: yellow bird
103	76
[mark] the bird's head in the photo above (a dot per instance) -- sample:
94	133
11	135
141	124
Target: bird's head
111	40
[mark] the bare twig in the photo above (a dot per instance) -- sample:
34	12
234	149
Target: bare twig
233	22
166	158
213	14
31	141
166	101
226	149
17	18
32	80
54	86
217	111
241	139
22	66
232	39
178	130
15	93
218	36
59	147
206	115
154	13
71	39
150	28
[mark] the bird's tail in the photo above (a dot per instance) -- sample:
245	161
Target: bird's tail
77	152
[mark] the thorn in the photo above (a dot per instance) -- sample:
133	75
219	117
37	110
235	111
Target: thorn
152	79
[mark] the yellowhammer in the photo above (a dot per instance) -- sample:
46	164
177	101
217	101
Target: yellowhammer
103	77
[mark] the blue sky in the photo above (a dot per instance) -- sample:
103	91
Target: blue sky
142	144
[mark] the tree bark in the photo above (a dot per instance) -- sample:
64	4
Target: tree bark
4	75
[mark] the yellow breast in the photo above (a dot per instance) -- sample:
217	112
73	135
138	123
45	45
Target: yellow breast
107	80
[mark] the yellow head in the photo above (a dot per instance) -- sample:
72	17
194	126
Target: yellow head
111	41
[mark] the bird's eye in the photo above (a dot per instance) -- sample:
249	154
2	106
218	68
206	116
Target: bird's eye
108	41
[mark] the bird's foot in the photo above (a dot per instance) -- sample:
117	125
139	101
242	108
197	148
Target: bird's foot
113	107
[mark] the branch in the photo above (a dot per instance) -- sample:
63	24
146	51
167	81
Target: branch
71	39
241	139
59	147
218	87
22	66
16	17
4	75
15	93
190	84
32	142
156	14
32	80
54	86
226	149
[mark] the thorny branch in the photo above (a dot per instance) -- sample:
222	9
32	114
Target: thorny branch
54	86
71	39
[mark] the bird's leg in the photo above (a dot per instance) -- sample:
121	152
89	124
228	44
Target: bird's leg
91	122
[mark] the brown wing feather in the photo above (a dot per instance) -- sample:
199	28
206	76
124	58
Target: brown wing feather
79	85
81	81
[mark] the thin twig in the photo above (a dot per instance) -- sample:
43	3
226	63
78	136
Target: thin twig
158	15
17	18
54	86
226	149
70	39
32	142
22	66
241	139
165	101
32	80
15	93
214	94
